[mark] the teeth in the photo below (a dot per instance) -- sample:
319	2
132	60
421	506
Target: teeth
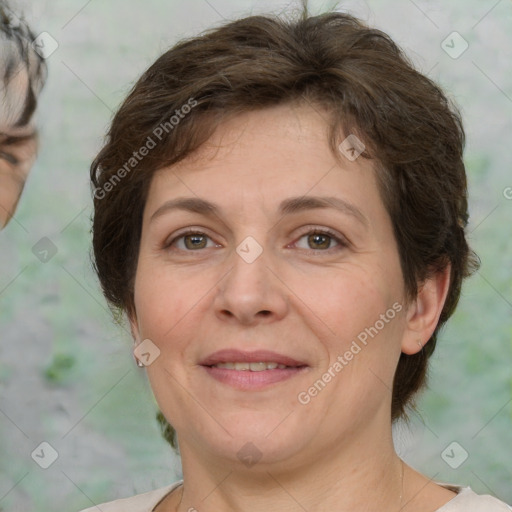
253	367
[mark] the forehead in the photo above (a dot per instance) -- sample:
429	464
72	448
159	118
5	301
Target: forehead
21	79
262	155
14	89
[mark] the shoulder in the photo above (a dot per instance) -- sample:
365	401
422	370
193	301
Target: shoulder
468	501
139	503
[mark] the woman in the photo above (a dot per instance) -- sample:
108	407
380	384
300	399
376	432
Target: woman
22	76
280	211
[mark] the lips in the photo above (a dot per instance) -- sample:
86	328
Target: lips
251	371
257	356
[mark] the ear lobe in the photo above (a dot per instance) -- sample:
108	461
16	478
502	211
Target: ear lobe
423	314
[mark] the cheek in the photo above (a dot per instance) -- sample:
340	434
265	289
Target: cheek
364	311
355	299
165	300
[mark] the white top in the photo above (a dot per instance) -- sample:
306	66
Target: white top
465	501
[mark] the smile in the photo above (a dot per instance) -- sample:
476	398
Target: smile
251	370
253	367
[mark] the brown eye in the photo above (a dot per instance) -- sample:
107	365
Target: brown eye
321	240
196	241
190	241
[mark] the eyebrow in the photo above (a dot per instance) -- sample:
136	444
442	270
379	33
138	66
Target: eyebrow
288	206
13	140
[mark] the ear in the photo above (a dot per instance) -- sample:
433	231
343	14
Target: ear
134	326
423	313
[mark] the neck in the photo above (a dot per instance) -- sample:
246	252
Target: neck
358	476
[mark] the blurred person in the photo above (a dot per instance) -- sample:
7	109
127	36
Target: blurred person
279	211
22	76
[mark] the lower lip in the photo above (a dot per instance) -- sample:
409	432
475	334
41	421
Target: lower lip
248	380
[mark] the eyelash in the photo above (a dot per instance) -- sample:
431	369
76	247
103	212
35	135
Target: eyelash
342	242
9	158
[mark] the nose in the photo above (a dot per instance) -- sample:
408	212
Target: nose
251	292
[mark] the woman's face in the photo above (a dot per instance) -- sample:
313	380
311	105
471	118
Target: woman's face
18	144
290	260
18	148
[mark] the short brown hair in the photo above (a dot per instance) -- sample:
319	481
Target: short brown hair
363	82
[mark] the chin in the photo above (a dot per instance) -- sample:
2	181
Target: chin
254	439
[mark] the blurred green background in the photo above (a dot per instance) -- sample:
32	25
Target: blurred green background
67	376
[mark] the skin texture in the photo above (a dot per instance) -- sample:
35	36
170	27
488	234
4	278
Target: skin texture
18	145
302	297
18	149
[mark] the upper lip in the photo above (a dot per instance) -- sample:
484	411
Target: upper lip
255	356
